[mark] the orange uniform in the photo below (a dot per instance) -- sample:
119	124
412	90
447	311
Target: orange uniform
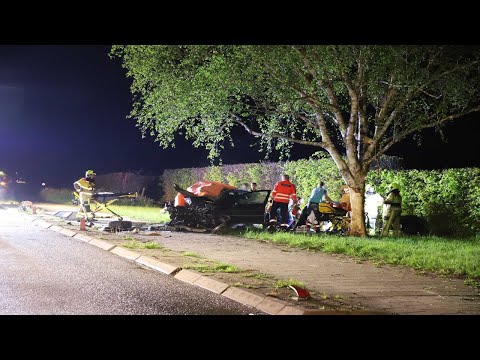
283	190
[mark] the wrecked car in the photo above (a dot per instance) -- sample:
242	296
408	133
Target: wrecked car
211	206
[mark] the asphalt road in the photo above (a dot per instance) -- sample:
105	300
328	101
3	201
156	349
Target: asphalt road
43	272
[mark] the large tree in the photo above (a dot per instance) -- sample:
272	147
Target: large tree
355	102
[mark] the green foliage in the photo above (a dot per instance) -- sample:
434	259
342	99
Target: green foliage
432	253
284	92
214	173
447	199
148	213
215	267
306	174
134	244
287	283
191	254
183	177
57	196
265	174
316	95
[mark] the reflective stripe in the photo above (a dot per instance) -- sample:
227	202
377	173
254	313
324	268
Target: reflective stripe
281	198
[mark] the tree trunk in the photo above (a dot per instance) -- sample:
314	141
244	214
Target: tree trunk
357	200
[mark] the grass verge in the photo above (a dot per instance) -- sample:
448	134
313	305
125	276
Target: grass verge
460	257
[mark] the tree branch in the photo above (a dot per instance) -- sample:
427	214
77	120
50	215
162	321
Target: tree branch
413	92
276	135
332	98
393	140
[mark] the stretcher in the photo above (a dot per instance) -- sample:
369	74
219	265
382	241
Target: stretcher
102	201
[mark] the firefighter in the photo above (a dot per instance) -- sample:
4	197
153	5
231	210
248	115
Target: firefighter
345	199
392	210
85	188
373	202
281	194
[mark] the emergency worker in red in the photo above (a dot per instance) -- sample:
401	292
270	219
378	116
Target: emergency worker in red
281	194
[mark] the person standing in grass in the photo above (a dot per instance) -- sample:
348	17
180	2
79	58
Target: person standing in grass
392	210
373	202
281	194
318	195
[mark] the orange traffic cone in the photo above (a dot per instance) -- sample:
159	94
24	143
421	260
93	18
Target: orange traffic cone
82	224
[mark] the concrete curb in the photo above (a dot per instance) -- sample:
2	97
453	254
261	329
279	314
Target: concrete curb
157	265
187	276
271	306
83	237
244	297
128	254
68	232
56	228
211	284
42	223
102	244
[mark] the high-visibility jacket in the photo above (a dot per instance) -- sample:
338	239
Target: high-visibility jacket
283	190
393	203
345	198
85	186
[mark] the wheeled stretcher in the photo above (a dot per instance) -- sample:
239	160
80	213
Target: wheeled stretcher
102	201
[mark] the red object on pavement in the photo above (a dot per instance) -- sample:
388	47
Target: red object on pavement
300	292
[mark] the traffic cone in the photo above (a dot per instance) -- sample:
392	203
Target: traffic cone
82	224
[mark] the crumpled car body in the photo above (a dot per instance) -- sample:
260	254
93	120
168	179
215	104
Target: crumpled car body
212	205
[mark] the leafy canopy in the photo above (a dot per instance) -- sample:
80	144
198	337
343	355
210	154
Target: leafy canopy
353	100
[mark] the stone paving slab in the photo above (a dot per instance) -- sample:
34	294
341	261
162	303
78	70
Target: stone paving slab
358	283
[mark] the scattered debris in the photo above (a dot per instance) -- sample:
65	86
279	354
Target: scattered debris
301	294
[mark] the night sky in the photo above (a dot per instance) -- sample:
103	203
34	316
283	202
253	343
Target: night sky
63	110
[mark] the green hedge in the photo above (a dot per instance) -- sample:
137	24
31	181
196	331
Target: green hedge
449	200
57	196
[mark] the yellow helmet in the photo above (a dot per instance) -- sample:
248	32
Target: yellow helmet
394	186
89	172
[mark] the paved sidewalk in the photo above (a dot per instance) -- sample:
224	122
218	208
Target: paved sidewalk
385	289
390	289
